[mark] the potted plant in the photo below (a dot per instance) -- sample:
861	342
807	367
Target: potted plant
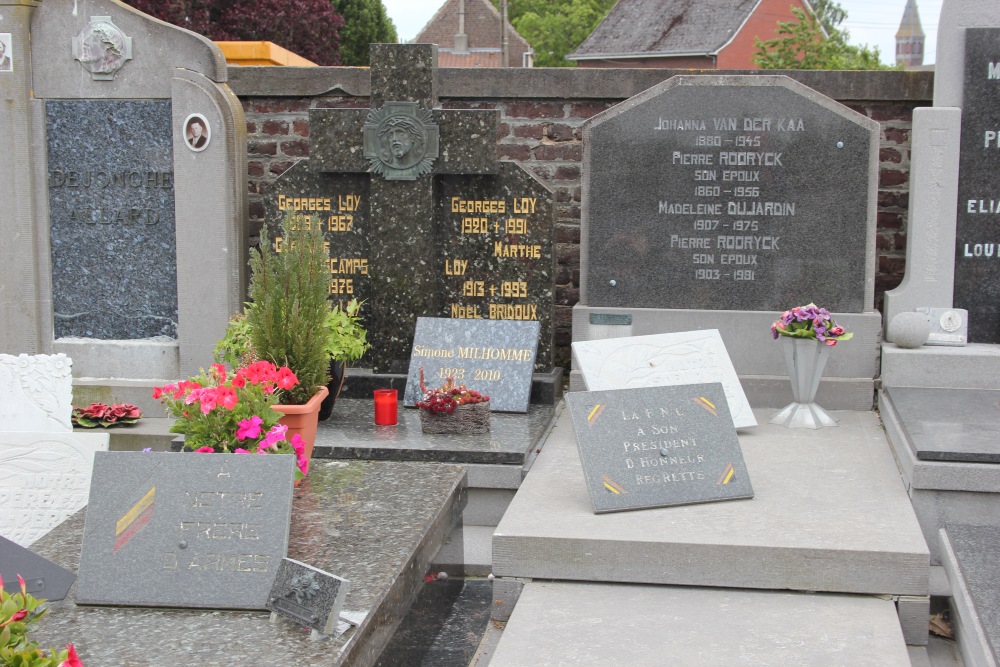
808	333
453	408
286	318
346	341
234	414
18	612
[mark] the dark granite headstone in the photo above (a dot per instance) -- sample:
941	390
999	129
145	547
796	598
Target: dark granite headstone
728	193
977	232
308	595
111	204
657	447
42	578
426	257
494	358
338	203
185	530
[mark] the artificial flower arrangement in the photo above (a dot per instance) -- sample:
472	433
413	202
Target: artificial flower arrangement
447	397
18	612
810	322
219	412
102	414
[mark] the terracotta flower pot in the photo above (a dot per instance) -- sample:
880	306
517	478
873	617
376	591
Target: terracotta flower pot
303	419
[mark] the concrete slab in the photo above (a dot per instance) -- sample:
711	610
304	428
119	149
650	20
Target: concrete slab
830	514
975	549
559	623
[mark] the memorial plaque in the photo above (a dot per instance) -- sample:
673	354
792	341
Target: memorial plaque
687	357
497	252
338	204
111	206
657	447
308	595
44	480
729	193
494	358
977	234
42	578
185	530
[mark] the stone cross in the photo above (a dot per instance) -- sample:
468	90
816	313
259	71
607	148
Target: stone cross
404	141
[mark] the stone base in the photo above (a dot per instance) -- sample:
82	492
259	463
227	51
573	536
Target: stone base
546	388
829	514
975	366
122	359
848	381
559	623
941	492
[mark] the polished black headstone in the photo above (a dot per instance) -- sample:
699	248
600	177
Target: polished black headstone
111	204
42	578
497	251
493	358
185	530
339	204
658	446
977	232
728	193
469	237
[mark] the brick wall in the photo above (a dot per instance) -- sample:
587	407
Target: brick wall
541	127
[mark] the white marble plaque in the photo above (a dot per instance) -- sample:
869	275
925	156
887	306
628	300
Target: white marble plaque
44	479
689	357
36	393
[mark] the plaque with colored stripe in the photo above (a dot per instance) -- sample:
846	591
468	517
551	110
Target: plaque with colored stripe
658	446
185	530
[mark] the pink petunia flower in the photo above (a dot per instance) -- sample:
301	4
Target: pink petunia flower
274	436
205	450
240	450
72	660
249	428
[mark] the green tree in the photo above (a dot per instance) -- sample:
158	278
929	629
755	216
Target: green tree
816	41
555	27
365	22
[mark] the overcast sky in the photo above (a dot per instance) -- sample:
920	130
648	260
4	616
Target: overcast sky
872	22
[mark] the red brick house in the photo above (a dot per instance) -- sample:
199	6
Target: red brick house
468	34
696	34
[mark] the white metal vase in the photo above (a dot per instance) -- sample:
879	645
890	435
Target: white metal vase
806	359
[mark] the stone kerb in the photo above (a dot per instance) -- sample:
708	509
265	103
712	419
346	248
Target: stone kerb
81	59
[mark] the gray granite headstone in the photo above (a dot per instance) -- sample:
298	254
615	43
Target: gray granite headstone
308	595
657	447
185	530
977	236
42	578
493	357
111	203
730	193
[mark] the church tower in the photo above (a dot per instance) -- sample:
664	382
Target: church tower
910	38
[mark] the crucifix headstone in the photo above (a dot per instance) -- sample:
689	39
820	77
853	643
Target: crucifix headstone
422	218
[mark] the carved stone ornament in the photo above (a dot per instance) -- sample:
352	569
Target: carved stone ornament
36	393
102	48
401	141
